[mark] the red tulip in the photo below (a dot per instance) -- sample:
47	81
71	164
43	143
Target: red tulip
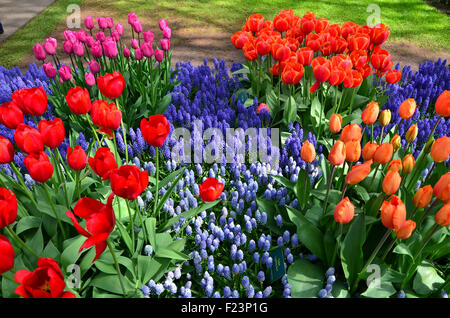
210	189
100	221
381	60
6	255
240	38
106	115
78	100
46	281
10	115
34	101
8	207
292	73
442	105
128	181
305	55
6	150
111	85
52	132
155	130
358	41
282	22
255	22
379	34
76	158
39	166
103	163
263	47
28	139
393	76
280	52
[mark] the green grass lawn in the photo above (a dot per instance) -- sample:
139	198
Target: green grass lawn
408	20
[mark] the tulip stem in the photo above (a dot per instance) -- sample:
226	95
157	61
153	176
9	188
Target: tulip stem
389	248
54	210
328	190
93	130
397	127
19	176
142	221
372	256
131	222
436	201
113	254
59	171
338	241
22	243
156	182
373	178
381	135
77	185
430	172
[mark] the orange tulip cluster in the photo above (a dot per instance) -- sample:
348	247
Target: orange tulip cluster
348	51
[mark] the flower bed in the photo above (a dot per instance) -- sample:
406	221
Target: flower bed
358	180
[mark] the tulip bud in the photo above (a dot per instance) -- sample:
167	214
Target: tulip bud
405	230
8	207
369	150
126	52
395	165
440	150
408	164
89	22
165	44
148	36
423	196
411	134
391	182
407	108
344	211
441	189
65	72
138	54
159	55
396	142
370	113
442	216
6	255
94	66
76	158
383	154
308	153
49	70
337	153
6	150
385	117
335	123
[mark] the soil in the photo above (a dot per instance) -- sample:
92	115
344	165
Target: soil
194	40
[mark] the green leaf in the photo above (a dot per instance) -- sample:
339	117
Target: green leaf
169	191
308	233
361	192
427	279
150	225
306	278
143	267
70	254
284	181
110	283
26	223
339	290
125	236
316	110
290	113
166	180
171	254
37	242
303	189
51	251
351	249
404	250
156	269
384	290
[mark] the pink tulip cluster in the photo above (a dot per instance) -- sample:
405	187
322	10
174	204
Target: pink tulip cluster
91	47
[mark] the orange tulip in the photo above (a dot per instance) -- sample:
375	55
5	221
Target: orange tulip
344	211
369	150
442	216
412	132
407	108
441	189
383	154
352	150
335	123
442	105
396	142
385	117
337	154
358	173
393	213
408	163
395	165
370	113
440	149
308	153
391	182
423	196
351	132
405	230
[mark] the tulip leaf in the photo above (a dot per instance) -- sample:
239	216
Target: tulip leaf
285	182
303	188
70	254
110	283
290	113
308	233
351	249
125	236
36	243
305	278
340	290
26	223
382	289
427	279
150	225
170	190
316	111
166	180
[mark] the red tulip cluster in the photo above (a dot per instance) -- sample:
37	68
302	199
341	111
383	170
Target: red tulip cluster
343	53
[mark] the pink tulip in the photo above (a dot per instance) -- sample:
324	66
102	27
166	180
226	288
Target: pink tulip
39	52
147	49
100	36
89	78
110	48
82	36
119	28
165	44
126	52
50	46
89	41
102	23
65	73
137	26
167	33
68	47
148	36
94	66
131	18
110	22
159	55
89	23
138	55
78	49
97	50
70	36
134	43
115	35
163	24
49	70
